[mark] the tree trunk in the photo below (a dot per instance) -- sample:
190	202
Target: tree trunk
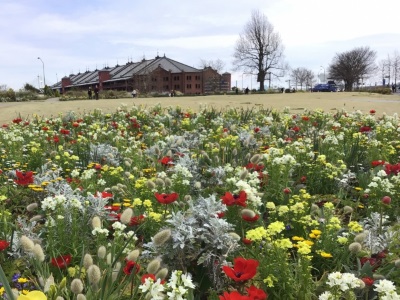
348	86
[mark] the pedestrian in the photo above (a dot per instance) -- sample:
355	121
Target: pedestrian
246	91
134	93
237	91
96	92
393	88
90	92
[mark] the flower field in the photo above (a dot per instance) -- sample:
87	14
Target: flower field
235	204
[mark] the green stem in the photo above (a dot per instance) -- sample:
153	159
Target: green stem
6	285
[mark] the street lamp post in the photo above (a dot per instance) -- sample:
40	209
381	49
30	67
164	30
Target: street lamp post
44	77
324	73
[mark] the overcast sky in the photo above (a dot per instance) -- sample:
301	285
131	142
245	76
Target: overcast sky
75	35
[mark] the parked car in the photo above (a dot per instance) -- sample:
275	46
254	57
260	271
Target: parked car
324	87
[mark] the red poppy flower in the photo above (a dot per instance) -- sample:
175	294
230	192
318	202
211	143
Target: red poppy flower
136	220
220	214
166	161
24	178
256	129
145	276
246	241
249	219
376	163
305	118
17	120
233	199
233	296
296	128
166	198
130	267
61	261
65	131
103	194
243	269
372	111
368	281
56	139
4	245
256	293
392	169
365	129
254	167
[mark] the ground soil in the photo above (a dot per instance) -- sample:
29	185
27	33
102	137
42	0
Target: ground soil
297	102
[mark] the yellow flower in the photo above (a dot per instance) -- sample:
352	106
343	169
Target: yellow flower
316	231
297	238
146	203
155	216
33	295
256	234
354	226
342	240
325	254
269	281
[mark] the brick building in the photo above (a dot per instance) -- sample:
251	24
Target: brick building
158	75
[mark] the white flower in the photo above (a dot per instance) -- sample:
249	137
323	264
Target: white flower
187	281
384	286
325	296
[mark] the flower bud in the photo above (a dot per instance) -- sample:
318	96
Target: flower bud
248	213
162	274
126	215
187	198
35	218
94	274
38	252
31	207
243	174
255	159
87	262
101	252
76	286
153	266
197	185
162	237
168	182
386	200
355	247
235	236
347	209
133	255
359	238
26	243
80	297
96	222
397	263
150	184
377	276
160	182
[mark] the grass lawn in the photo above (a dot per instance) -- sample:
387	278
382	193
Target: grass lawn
298	102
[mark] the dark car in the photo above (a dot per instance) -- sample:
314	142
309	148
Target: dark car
324	87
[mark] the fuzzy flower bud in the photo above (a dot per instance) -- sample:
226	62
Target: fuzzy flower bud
87	262
76	286
255	159
31	207
35	218
133	255
101	252
162	274
243	174
26	243
94	274
248	213
38	252
126	215
162	237
187	198
397	263
168	182
347	209
359	238
235	236
80	297
160	182
153	266
197	185
355	247
150	184
96	222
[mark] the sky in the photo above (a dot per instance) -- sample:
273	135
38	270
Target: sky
74	36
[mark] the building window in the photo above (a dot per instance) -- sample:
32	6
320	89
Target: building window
189	77
197	77
176	78
153	79
176	87
166	87
197	86
189	86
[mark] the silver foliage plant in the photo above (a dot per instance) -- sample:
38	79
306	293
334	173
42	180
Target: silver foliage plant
379	234
105	154
198	238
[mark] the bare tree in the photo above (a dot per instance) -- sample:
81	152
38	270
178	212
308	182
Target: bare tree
352	66
302	76
391	67
218	65
259	49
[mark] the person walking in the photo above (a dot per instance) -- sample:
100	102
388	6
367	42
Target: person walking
134	93
90	92
96	92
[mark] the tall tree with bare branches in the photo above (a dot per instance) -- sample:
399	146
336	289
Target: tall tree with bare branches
352	66
302	76
259	49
